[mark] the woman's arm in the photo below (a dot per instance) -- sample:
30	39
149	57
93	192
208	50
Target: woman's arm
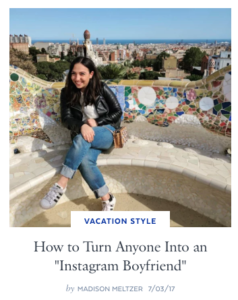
67	119
115	111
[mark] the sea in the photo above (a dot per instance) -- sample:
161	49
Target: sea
139	42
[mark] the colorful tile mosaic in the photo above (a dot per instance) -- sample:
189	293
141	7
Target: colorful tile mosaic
208	99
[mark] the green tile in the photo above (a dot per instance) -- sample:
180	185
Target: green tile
218	107
228	108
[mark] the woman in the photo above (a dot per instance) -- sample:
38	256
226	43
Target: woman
91	111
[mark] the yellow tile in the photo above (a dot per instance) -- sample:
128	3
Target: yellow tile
128	82
213	76
178	84
162	82
144	82
58	85
198	83
200	91
191	84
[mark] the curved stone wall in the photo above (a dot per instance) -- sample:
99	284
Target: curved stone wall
204	199
35	109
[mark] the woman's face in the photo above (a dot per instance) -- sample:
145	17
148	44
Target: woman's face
80	76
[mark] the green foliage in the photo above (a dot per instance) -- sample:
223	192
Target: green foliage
131	75
41	76
194	77
112	71
150	75
70	57
52	71
43	51
193	57
33	52
22	60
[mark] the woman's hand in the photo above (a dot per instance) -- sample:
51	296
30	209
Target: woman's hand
87	133
92	123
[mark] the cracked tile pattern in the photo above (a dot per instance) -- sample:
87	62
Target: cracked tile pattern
35	109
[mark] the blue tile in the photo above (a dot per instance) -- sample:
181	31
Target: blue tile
160	110
226	104
215	101
179	113
214	112
224	112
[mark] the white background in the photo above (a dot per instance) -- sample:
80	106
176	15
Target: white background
29	275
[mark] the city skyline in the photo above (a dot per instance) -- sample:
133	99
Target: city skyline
122	23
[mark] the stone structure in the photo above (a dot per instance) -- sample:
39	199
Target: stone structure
211	65
180	174
46	57
169	63
23	47
20	39
89	52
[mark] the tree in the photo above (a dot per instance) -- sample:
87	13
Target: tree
159	60
43	68
149	75
131	75
112	71
193	57
62	55
52	71
22	60
194	77
33	52
136	63
41	76
43	51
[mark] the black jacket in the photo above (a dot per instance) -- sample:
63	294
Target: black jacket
107	107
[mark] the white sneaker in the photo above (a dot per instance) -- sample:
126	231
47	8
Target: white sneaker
109	204
53	196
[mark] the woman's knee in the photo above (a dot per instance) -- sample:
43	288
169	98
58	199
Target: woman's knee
79	140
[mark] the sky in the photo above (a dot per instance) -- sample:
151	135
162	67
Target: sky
156	23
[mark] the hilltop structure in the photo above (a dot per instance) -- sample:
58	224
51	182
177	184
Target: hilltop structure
21	43
88	49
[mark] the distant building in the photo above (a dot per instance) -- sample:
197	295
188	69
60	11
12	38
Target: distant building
169	63
222	60
151	56
97	41
45	45
104	42
46	57
20	39
204	63
88	49
23	47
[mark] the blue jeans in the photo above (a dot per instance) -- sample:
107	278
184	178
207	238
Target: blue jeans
83	155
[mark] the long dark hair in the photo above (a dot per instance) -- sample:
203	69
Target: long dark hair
93	88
